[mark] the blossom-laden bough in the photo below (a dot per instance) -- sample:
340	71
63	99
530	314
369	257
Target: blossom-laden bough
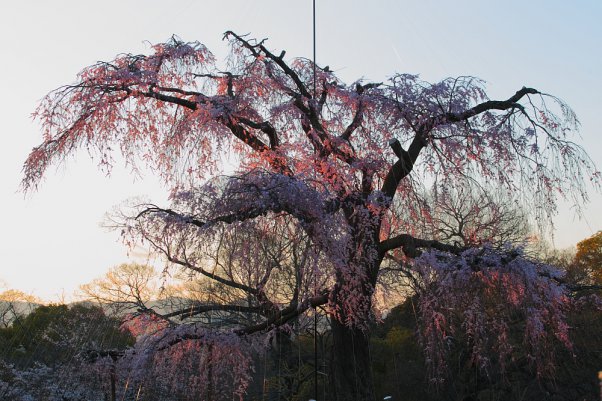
325	169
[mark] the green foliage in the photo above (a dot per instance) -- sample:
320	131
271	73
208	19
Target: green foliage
589	257
397	363
52	335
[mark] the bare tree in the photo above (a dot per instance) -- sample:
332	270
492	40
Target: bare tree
473	215
15	304
125	288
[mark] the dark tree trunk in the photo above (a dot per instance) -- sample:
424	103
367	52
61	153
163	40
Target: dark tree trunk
112	376
352	377
210	373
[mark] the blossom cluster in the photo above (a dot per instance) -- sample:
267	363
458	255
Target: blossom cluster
494	303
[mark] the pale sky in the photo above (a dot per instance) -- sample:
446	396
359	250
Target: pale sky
51	241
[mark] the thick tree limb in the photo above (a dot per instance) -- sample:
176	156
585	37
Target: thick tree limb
312	110
406	159
253	48
510	103
265	127
583	287
230	80
411	245
244	135
404	165
204	308
233	123
357	118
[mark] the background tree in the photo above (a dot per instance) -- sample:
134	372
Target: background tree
15	304
588	258
43	356
334	160
125	288
581	266
473	215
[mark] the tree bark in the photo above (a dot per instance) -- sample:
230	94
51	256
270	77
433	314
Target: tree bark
351	364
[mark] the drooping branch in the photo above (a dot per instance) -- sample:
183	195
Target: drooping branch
471	295
232	121
244	198
241	215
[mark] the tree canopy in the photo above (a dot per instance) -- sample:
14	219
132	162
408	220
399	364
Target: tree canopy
327	164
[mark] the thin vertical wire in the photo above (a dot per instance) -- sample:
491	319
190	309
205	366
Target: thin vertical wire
315	353
314	32
315	275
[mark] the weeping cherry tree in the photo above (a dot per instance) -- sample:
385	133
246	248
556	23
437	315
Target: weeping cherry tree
330	163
